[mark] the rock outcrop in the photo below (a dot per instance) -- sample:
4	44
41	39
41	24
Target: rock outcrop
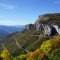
30	27
48	24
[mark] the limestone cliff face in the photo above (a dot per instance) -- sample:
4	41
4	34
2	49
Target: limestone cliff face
48	24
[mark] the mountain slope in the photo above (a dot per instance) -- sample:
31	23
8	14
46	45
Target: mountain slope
29	39
25	38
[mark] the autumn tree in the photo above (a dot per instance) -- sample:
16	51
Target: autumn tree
6	55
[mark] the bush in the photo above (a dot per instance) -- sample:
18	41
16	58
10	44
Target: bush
49	45
6	55
55	55
21	57
46	47
56	42
37	55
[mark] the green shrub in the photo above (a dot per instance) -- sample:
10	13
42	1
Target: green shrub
21	57
55	55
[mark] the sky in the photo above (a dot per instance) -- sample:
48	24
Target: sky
21	12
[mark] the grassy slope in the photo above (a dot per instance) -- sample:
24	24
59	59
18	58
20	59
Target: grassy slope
26	39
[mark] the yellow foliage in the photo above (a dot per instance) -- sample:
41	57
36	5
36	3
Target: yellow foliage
36	55
56	42
5	55
50	45
46	46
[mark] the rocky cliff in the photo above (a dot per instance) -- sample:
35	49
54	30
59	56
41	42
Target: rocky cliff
48	23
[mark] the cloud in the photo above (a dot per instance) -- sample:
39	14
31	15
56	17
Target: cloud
56	1
7	6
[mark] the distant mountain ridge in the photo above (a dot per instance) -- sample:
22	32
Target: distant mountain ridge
3	33
6	30
11	28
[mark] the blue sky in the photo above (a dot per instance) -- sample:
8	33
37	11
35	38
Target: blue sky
21	12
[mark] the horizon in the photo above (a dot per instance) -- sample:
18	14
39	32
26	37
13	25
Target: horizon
12	25
22	12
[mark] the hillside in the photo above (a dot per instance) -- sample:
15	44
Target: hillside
28	40
25	39
39	41
49	50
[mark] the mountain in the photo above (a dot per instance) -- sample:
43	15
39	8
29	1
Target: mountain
48	24
6	30
11	28
50	18
3	33
30	39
